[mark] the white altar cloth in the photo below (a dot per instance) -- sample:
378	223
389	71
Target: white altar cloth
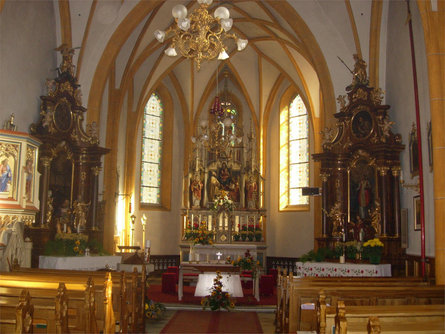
328	269
230	284
208	252
79	262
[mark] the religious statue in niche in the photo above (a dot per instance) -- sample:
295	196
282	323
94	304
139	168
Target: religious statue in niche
224	176
80	211
251	191
214	186
196	190
64	218
362	124
29	176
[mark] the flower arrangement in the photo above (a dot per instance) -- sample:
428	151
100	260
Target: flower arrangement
217	299
153	310
351	249
247	262
199	235
372	250
222	203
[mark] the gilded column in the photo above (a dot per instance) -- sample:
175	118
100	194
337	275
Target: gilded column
396	199
383	176
46	163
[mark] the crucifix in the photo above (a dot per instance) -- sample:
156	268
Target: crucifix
219	254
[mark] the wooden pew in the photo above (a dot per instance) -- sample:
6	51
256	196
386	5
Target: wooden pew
135	291
20	321
84	317
288	314
385	319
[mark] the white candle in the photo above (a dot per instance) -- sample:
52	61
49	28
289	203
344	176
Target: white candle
147	243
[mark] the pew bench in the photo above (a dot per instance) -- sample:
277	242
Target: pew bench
385	318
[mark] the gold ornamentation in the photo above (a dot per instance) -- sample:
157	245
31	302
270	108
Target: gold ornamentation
66	86
383	170
377	96
96	170
9	150
341	99
396	171
80	211
324	177
30	153
200	37
46	161
83	176
376	218
360	95
337	218
9	124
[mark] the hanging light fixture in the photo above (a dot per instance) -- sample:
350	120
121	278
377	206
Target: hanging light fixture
200	36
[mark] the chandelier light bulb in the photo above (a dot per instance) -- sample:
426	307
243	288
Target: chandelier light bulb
223	55
241	43
205	2
226	24
159	35
205	137
221	13
171	52
184	24
179	12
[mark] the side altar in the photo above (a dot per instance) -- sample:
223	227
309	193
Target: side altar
223	188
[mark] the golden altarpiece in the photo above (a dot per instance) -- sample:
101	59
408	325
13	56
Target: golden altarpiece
360	171
69	161
223	184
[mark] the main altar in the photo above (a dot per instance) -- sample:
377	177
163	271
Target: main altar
223	197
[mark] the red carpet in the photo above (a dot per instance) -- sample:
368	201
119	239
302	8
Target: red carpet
154	293
213	322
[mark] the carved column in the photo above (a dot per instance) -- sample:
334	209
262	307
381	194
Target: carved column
205	193
383	181
95	189
324	203
396	199
46	163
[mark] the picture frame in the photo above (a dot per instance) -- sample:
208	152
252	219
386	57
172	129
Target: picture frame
413	152
416	210
430	145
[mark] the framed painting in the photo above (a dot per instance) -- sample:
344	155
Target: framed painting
416	210
413	152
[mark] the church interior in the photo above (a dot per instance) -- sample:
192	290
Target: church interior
159	144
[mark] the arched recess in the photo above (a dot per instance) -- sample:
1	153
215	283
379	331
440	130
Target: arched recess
132	174
133	19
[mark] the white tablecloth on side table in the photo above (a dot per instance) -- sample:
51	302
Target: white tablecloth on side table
327	269
79	262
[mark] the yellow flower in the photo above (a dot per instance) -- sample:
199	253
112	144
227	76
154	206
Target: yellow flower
77	242
76	249
146	306
232	305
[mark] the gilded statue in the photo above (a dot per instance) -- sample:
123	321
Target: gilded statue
336	217
376	218
80	215
49	208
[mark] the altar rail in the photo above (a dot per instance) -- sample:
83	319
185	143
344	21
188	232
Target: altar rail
162	262
288	263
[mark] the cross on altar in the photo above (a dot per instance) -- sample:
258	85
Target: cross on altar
218	254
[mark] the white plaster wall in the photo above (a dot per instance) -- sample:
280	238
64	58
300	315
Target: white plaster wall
400	96
27	58
289	234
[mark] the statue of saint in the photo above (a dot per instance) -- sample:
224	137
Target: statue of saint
251	192
224	177
196	189
80	215
214	186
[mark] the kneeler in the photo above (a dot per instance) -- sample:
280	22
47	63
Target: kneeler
169	283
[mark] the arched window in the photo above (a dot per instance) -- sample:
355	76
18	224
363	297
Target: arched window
152	137
294	155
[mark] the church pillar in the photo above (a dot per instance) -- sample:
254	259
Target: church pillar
205	199
396	199
383	180
46	161
433	21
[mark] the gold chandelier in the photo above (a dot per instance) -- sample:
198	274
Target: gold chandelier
200	36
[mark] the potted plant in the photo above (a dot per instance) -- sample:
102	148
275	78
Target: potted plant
372	250
236	236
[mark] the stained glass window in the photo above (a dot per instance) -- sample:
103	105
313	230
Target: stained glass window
294	154
152	151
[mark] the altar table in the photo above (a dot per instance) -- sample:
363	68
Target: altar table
328	269
79	262
231	283
211	269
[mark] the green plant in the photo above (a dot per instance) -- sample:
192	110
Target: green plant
320	255
73	245
372	250
154	310
217	299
